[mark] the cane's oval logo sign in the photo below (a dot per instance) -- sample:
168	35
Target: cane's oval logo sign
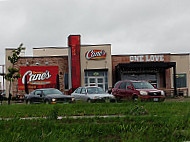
95	55
36	78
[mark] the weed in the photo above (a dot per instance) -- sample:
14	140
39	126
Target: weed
138	110
53	113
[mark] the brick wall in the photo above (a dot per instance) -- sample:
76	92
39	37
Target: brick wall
60	61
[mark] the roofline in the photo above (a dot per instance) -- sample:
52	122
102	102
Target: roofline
151	54
12	48
68	47
51	47
41	56
95	44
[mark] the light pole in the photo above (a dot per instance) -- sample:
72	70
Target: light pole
3	74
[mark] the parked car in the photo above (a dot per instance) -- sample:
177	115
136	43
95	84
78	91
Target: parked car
134	90
92	94
48	96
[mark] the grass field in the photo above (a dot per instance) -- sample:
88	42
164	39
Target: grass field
40	110
168	121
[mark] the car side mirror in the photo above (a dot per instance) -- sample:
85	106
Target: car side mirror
39	95
154	86
130	88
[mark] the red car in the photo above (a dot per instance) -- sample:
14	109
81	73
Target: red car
134	90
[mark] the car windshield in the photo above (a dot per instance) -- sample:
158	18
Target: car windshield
52	91
142	85
95	90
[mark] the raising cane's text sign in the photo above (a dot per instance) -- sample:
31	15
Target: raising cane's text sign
95	55
147	58
37	75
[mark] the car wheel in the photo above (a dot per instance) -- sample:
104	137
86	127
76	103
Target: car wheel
118	100
28	102
89	101
47	102
107	100
135	98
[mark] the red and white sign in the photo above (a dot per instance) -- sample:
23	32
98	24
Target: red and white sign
37	75
95	54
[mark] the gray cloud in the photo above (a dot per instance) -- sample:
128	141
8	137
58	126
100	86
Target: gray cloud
138	26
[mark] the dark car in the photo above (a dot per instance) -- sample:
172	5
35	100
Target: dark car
134	90
48	96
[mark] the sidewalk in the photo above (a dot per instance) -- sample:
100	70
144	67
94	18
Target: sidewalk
178	99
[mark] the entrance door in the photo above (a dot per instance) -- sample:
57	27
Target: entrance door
96	81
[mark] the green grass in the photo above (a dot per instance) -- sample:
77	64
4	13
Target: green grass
168	121
40	110
138	128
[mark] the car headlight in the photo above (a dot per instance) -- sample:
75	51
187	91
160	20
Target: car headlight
143	93
96	97
162	93
53	100
73	99
112	97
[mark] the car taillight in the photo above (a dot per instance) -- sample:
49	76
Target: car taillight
112	90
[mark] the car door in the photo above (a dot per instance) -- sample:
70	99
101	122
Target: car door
121	91
129	91
83	95
31	97
77	93
38	96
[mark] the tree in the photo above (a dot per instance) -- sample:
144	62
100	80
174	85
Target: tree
13	73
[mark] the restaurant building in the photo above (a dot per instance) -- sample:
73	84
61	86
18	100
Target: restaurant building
77	65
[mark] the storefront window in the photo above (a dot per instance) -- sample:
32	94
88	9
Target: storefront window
86	80
181	81
66	84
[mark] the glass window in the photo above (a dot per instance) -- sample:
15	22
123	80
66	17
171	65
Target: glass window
128	84
92	80
116	84
38	92
101	85
86	80
78	90
101	73
90	74
52	91
106	86
100	80
95	90
142	85
86	73
66	82
83	91
181	80
122	85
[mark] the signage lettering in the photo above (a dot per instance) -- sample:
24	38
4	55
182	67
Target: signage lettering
95	54
147	58
36	77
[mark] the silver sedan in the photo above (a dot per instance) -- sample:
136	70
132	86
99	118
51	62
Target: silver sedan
92	94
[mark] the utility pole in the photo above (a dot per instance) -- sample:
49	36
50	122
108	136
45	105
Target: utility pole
2	74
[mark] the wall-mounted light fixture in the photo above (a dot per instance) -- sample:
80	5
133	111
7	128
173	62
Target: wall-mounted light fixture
27	63
37	63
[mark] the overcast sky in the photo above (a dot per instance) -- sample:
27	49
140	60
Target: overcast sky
130	26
